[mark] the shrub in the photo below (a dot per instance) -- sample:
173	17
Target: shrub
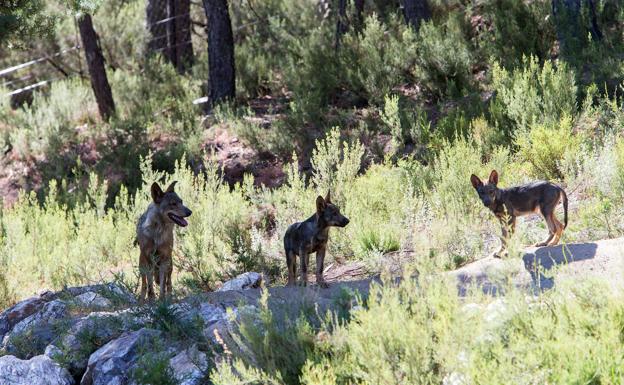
312	89
406	126
336	163
518	29
532	95
277	348
380	57
46	126
547	146
444	58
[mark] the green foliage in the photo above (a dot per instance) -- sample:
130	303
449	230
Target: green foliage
424	340
312	88
444	58
404	125
153	368
278	349
379	57
547	146
21	20
336	164
532	95
518	29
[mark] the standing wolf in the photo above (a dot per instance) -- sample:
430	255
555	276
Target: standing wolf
311	236
507	204
155	239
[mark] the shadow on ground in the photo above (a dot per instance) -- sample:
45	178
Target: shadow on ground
536	270
543	261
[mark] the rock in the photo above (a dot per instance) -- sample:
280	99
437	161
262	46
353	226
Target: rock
92	300
89	332
189	366
40	328
39	370
244	281
23	309
53	352
107	291
110	364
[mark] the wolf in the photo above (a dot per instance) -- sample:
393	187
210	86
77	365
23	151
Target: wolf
311	236
154	235
507	204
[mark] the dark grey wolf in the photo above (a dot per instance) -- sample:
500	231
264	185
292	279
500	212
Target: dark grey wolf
155	239
310	236
507	204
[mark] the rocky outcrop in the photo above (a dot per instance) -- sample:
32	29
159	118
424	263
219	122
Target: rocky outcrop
39	370
99	334
244	281
31	325
13	315
83	338
190	366
36	331
111	363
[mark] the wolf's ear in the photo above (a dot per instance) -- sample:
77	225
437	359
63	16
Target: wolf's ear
493	178
476	182
171	187
328	197
157	192
320	204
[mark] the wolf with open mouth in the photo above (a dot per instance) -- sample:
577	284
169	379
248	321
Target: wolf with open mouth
155	239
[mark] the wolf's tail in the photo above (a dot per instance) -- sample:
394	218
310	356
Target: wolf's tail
565	208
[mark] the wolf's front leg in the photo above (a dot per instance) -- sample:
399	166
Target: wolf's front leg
320	258
163	270
305	259
508	226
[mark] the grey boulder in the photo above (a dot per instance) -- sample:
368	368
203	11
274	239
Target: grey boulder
39	370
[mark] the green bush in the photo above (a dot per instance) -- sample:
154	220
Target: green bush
517	29
380	57
278	348
444	58
532	94
404	125
547	146
424	340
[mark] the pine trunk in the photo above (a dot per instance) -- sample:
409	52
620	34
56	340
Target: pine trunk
221	81
415	12
97	70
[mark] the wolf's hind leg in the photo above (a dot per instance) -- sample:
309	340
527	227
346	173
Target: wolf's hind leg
558	232
552	227
305	259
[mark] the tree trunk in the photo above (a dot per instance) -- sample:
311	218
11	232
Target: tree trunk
97	70
594	29
183	44
571	28
341	22
156	12
221	80
415	12
359	12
